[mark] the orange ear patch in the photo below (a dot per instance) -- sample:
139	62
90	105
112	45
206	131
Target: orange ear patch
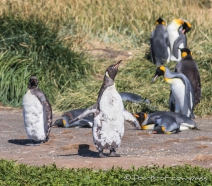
184	54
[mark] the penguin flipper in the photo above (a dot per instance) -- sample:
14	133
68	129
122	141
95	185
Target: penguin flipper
171	102
90	110
129	117
189	92
151	50
177	44
128	96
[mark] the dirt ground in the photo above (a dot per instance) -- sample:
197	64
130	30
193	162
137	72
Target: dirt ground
74	148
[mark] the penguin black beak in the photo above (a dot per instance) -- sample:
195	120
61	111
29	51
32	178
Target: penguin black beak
117	64
154	78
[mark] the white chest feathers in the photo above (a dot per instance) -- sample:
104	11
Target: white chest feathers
33	117
111	103
108	126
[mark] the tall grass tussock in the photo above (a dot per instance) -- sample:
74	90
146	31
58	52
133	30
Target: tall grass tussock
69	44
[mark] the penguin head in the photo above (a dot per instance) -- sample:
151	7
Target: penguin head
159	130
186	26
33	82
185	52
140	116
112	70
159	72
160	21
176	23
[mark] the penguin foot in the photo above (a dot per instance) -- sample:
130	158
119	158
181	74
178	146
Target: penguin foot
101	155
113	154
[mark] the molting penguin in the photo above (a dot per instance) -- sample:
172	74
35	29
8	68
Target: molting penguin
86	122
109	115
160	44
147	121
37	113
189	68
182	94
177	30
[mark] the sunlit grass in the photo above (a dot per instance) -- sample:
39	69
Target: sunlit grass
54	40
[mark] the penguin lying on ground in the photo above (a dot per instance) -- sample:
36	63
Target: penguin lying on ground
166	124
109	115
177	30
189	68
37	113
160	44
182	94
147	121
87	122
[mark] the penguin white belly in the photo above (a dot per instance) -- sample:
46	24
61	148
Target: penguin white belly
173	35
108	126
178	91
33	117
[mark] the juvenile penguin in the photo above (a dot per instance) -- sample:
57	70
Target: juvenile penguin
160	44
177	30
182	94
86	122
189	68
109	115
37	113
147	121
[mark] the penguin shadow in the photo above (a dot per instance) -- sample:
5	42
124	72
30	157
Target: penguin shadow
84	151
20	141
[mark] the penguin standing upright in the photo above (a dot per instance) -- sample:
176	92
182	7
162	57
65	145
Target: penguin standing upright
177	30
160	44
109	115
182	94
37	113
189	68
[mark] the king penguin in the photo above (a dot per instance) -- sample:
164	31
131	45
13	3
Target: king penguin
109	115
37	113
189	68
147	121
160	44
182	94
166	124
86	122
177	30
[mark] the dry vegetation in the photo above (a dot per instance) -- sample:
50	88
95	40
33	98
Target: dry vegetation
37	36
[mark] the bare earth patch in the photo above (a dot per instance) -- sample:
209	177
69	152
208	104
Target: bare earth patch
74	148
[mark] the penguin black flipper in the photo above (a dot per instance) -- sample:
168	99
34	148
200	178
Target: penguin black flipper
91	110
171	102
189	91
129	117
128	96
179	43
47	110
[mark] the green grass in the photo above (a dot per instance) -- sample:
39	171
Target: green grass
55	41
21	174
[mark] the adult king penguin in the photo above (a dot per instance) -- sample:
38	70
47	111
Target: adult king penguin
147	121
182	94
189	68
109	115
160	44
37	113
177	30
